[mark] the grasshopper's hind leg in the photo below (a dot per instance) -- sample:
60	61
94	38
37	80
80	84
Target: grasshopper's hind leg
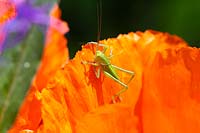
126	71
124	85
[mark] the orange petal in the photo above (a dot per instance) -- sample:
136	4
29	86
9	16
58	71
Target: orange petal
116	118
29	116
54	113
55	54
170	97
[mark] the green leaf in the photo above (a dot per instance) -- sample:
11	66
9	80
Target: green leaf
17	67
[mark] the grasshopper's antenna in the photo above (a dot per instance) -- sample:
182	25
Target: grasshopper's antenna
99	20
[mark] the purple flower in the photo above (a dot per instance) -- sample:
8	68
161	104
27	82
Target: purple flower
29	13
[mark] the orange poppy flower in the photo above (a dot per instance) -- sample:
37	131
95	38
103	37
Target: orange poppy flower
162	97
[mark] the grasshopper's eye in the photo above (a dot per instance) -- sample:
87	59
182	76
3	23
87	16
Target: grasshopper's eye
7	11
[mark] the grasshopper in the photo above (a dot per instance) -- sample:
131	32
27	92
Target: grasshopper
102	62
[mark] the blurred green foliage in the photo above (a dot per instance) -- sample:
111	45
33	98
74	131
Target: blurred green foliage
17	67
180	17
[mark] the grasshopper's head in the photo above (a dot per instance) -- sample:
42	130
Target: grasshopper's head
99	53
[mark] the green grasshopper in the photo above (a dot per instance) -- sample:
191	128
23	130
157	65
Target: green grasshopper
102	62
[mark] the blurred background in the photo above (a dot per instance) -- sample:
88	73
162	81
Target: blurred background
180	17
19	64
